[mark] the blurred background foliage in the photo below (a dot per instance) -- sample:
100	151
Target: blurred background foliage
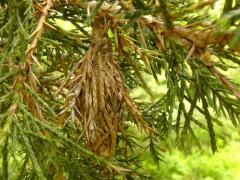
195	163
169	160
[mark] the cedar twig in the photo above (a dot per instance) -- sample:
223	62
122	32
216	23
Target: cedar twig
228	84
201	38
37	33
202	4
110	7
32	104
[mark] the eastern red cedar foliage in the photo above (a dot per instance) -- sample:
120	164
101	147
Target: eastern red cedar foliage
65	94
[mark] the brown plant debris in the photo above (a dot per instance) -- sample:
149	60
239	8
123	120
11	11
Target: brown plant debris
30	101
98	94
38	31
188	34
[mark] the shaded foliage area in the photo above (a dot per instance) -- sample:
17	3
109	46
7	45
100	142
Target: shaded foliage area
65	108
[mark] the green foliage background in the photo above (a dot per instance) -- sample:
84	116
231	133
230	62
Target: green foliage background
184	96
195	164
